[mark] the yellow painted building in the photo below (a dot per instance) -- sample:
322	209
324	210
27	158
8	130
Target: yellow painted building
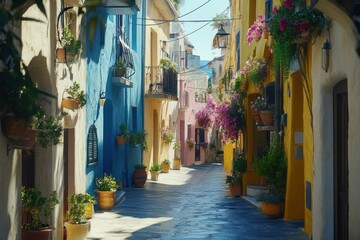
295	129
160	107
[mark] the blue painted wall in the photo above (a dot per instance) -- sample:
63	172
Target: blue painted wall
120	102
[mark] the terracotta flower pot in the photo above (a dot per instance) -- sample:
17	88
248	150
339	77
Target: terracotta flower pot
14	128
40	234
60	55
27	141
235	189
70	103
106	199
165	167
272	210
256	116
139	177
120	139
267	117
177	164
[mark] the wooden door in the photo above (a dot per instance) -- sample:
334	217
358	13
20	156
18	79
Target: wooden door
341	170
199	139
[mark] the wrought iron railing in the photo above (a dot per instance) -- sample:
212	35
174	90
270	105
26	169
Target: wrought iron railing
161	81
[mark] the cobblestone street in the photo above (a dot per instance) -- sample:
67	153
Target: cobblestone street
192	203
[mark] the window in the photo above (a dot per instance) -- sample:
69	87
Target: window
268	9
237	51
92	146
134	118
189	131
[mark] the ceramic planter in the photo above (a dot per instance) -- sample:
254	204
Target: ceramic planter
77	231
106	199
165	167
60	55
139	177
154	175
177	164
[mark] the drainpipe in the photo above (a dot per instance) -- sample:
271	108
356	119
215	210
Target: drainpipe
143	37
277	102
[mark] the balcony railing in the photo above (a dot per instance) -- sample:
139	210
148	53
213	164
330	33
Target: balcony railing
161	83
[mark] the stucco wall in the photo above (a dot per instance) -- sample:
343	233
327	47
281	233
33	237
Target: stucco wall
344	64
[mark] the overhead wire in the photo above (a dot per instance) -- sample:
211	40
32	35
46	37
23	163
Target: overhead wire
166	21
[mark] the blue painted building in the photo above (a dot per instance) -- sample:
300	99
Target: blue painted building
116	36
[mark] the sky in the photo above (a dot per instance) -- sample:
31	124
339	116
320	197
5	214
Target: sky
202	39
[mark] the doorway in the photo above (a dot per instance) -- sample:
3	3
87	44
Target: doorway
199	139
341	170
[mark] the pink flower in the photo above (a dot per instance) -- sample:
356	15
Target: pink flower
304	26
274	11
288	3
283	24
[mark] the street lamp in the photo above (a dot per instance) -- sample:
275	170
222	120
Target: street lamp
221	39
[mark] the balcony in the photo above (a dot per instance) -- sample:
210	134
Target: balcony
161	83
122	7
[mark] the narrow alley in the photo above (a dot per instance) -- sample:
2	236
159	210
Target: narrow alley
192	203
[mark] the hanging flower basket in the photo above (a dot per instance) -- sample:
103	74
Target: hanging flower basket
70	103
190	143
267	117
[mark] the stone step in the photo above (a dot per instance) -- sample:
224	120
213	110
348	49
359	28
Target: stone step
255	190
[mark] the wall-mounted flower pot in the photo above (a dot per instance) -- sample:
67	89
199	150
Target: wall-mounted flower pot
60	55
267	117
13	128
256	116
27	141
70	103
102	101
120	139
119	72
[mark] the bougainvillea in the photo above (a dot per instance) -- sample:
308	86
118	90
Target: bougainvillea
230	118
256	29
204	116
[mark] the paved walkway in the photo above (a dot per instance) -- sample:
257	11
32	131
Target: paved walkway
192	203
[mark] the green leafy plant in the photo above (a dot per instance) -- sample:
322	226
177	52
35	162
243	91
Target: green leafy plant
39	207
76	93
77	204
124	130
239	169
140	166
273	166
167	63
71	45
168	135
106	183
120	68
166	161
156	167
293	20
176	147
136	138
49	128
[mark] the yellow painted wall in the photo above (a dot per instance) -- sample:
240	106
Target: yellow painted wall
308	143
293	107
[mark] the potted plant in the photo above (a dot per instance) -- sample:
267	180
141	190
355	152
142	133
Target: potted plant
165	166
123	135
273	166
167	63
106	188
140	175
89	205
77	227
167	135
190	143
292	23
155	170
75	99
40	208
71	48
137	138
177	159
235	179
48	127
256	106
120	68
